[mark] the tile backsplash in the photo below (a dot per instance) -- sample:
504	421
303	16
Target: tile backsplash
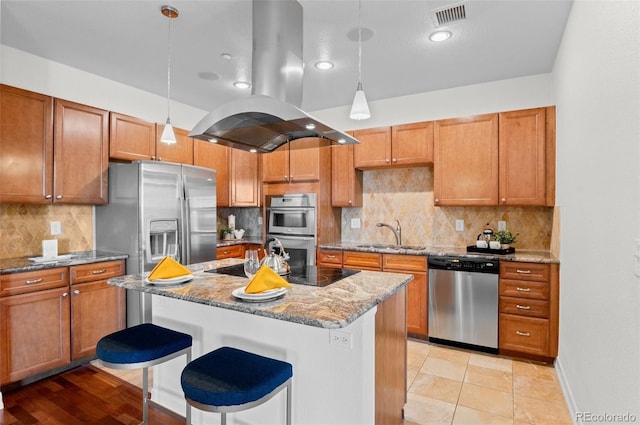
24	226
406	194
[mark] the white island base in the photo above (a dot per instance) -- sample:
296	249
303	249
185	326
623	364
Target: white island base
334	382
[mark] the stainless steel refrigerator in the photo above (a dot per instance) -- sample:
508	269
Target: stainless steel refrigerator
155	210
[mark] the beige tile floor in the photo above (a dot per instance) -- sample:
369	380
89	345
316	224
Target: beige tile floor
459	387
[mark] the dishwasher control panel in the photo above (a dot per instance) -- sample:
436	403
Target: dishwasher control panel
450	262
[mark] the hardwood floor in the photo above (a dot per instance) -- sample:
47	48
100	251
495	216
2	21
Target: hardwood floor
85	395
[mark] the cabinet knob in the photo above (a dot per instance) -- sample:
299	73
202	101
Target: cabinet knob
153	157
48	197
387	160
350	202
99	271
395	159
503	200
59	197
159	158
65	295
33	281
523	333
286	178
523	307
76	292
436	200
523	289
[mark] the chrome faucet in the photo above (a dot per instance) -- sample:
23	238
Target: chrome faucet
397	231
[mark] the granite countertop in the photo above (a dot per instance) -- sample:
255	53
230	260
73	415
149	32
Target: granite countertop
23	264
244	240
333	306
525	256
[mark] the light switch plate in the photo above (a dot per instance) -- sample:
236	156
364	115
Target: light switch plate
56	228
355	223
459	225
502	225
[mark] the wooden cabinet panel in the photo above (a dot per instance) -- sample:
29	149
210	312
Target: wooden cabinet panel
329	258
524	334
216	157
374	150
26	146
534	272
522	157
96	271
232	251
180	152
293	164
346	181
412	144
361	260
275	165
131	138
97	309
243	176
21	283
46	345
417	289
466	161
524	289
81	148
521	307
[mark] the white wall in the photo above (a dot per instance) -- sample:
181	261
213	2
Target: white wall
597	78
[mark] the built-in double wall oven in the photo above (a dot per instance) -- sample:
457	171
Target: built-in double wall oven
291	218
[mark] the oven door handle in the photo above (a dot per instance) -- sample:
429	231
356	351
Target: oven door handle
291	237
290	210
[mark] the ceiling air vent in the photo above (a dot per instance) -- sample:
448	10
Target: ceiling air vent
450	15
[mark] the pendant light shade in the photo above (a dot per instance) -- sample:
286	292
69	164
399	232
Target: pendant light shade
360	108
168	136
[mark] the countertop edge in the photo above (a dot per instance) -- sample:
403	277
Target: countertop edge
22	264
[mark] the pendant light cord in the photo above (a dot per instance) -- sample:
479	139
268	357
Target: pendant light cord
169	73
359	43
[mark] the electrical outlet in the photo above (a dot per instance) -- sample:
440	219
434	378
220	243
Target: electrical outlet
459	225
502	225
341	338
355	223
56	228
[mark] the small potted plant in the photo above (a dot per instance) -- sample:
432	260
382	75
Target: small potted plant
226	232
505	238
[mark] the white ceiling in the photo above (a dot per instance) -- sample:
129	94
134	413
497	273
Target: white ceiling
127	41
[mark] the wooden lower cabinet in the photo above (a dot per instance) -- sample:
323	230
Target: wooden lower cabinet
232	251
329	258
361	260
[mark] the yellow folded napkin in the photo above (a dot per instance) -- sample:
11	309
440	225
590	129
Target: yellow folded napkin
264	280
168	268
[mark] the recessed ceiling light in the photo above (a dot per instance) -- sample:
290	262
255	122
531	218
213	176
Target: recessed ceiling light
310	126
324	65
212	140
253	150
226	56
440	35
342	141
242	84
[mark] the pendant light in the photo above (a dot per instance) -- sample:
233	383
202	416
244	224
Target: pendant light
168	136
360	108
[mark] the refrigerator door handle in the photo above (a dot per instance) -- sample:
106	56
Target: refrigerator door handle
186	231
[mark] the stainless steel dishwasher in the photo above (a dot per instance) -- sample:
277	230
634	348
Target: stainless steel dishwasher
463	302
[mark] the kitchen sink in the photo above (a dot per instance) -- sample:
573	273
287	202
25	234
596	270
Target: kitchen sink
391	246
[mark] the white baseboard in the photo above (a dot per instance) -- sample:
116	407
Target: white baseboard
566	390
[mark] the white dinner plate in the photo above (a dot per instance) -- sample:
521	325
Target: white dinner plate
172	281
260	296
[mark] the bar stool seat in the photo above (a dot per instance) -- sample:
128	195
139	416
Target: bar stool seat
231	380
143	346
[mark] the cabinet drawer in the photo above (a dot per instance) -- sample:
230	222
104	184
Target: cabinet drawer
524	289
233	251
329	258
524	334
96	271
20	283
404	263
525	271
524	307
361	260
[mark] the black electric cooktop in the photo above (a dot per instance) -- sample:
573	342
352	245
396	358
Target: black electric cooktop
301	275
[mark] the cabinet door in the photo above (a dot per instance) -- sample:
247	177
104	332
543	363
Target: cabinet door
522	157
131	138
26	146
216	157
466	161
275	165
412	144
34	333
374	150
417	289
346	181
304	160
180	152
97	309
81	148
244	179
232	251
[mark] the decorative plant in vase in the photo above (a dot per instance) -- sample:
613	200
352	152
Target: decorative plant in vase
505	237
226	232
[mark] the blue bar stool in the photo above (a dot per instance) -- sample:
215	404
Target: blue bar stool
230	380
143	346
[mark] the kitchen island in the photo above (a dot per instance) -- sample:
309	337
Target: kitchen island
346	342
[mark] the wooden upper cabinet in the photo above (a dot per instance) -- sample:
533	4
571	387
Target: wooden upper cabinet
26	146
216	157
131	138
523	157
374	150
400	145
295	162
466	161
243	177
180	152
346	181
81	151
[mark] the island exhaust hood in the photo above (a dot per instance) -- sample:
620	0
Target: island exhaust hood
271	116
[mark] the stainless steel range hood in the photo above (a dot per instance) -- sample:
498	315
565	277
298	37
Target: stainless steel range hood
271	116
